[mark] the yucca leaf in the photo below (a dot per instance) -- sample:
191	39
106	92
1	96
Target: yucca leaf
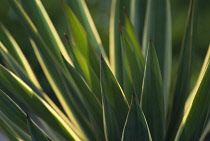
182	85
206	132
13	117
136	127
35	132
195	88
114	41
37	13
152	100
86	71
23	69
17	132
114	104
158	26
137	16
7	131
81	11
12	46
91	99
78	33
62	83
16	52
193	123
15	114
68	93
11	110
130	30
21	74
133	56
39	106
82	54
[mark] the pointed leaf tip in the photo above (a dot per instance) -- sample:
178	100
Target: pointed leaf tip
120	22
101	57
125	11
66	36
150	39
27	116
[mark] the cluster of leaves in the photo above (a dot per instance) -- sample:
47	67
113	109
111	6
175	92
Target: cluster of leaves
125	96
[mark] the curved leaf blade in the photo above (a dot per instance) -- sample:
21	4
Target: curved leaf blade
135	62
193	123
136	127
37	13
137	14
27	96
152	100
182	83
114	41
35	132
114	104
158	26
81	11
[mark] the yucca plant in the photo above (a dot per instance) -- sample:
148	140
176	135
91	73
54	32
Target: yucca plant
127	95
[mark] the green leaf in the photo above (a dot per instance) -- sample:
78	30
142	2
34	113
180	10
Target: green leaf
206	132
157	26
68	93
61	82
38	15
114	42
136	127
78	33
132	55
83	55
35	132
7	131
85	69
21	74
81	11
15	114
193	123
114	104
137	16
182	82
11	110
18	55
94	104
26	95
12	128
195	89
153	97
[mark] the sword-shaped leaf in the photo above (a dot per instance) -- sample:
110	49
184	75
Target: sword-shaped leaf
81	11
115	51
35	132
182	83
152	100
158	26
136	128
133	56
13	112
114	104
137	16
193	123
38	15
27	96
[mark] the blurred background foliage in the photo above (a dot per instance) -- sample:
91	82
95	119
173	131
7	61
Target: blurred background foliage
100	10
